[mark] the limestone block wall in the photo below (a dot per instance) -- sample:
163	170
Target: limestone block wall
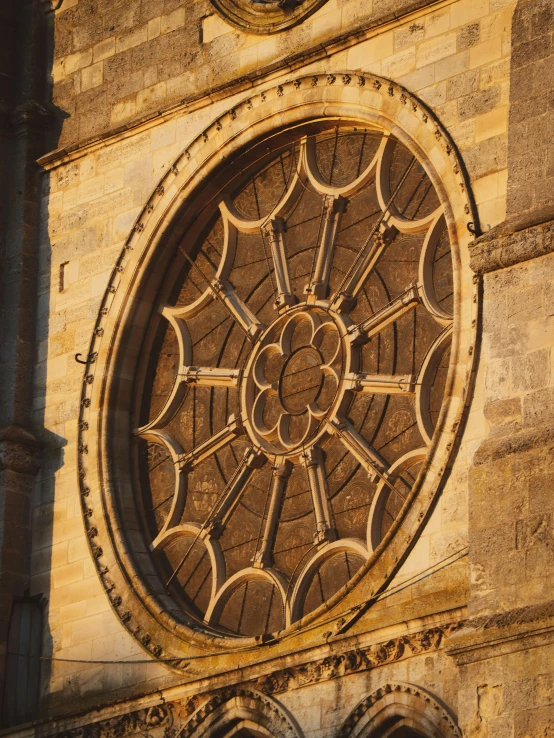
514	464
114	65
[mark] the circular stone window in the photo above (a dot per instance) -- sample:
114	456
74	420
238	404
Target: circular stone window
293	376
266	16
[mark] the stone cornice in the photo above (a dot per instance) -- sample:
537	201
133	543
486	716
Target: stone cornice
514	241
489	637
264	75
360	659
19	451
493	449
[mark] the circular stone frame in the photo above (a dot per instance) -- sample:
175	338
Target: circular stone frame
135	591
266	16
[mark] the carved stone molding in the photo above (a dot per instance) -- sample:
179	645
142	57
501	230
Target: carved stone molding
19	451
338	665
402	704
232	705
140	721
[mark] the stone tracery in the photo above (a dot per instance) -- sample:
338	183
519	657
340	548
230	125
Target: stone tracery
315	343
141	607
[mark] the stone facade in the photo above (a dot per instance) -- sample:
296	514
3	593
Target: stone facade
129	107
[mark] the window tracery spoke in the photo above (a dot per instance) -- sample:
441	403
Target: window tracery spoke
382	384
203	376
334	208
214	444
276	232
240	312
391	313
264	555
216	523
315	468
364	264
369	458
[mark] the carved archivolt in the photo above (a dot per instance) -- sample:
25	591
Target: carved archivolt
398	707
231	711
270	427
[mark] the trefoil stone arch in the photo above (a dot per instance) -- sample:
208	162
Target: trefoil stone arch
399	709
240	712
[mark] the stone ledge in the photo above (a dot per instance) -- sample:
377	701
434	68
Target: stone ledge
493	449
490	637
515	240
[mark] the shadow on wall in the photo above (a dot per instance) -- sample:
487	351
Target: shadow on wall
30	126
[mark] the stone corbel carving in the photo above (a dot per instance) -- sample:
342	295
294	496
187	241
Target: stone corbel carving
30	114
20	451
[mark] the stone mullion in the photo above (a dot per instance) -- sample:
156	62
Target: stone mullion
335	207
276	232
387	315
281	474
239	311
317	478
371	461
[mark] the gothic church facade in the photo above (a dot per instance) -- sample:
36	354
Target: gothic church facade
277	368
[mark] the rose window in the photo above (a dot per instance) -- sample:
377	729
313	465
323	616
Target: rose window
266	16
294	376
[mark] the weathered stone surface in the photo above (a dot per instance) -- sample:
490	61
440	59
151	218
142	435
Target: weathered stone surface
531	147
519	239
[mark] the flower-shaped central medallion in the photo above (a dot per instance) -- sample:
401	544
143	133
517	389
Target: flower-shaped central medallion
293	380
